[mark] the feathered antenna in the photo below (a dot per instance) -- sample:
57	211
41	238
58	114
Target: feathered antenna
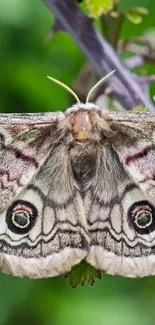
91	90
98	84
65	87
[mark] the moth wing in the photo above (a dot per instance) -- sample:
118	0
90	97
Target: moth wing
119	246
43	233
134	141
25	142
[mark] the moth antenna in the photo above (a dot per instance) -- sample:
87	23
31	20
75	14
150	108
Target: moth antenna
65	87
98	84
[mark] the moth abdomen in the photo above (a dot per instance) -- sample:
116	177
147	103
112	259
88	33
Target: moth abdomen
83	162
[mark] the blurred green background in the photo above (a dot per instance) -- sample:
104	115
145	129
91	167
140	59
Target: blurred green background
24	64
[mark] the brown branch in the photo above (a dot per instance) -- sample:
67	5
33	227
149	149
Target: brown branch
126	88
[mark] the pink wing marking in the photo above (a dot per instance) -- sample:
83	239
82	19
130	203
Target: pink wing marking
9	179
21	155
140	154
142	164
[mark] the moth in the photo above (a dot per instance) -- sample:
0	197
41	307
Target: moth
77	185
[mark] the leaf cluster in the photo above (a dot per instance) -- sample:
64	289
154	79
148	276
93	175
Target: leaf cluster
97	8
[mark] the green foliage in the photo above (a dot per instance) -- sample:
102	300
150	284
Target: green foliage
112	15
99	7
135	15
140	109
82	273
15	13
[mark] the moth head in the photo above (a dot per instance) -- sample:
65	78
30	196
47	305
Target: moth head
81	123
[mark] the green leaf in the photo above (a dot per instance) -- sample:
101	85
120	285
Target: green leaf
99	7
82	273
135	14
134	18
140	109
141	10
114	14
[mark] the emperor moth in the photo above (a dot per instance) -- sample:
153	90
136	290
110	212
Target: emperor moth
77	185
